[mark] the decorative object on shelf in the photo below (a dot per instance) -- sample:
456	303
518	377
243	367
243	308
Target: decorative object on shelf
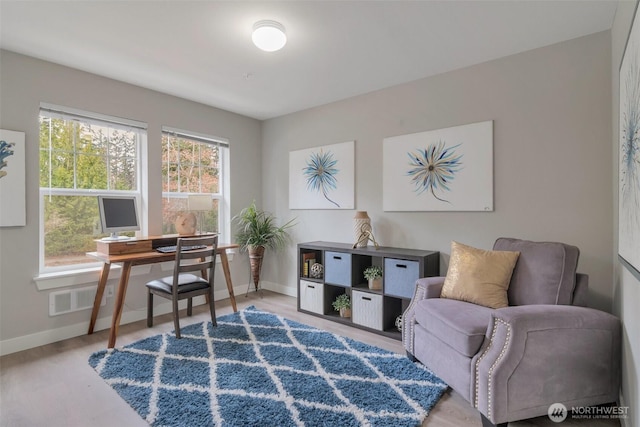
367	236
399	323
448	169
257	230
322	177
374	275
186	223
317	270
343	305
200	203
361	222
629	149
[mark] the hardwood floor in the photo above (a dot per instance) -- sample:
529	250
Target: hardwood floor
54	385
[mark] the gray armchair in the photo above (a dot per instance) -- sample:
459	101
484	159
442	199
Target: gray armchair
512	363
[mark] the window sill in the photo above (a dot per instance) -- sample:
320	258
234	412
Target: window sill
67	278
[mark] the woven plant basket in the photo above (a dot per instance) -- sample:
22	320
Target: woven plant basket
256	254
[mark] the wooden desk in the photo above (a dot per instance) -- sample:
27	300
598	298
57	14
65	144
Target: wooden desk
128	260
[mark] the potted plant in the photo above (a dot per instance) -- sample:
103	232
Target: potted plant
374	275
343	305
256	230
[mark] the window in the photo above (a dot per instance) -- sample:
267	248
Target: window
82	155
194	164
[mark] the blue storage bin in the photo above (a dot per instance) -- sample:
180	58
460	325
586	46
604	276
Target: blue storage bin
400	277
337	268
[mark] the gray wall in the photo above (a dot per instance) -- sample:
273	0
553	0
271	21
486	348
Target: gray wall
24	83
552	156
626	289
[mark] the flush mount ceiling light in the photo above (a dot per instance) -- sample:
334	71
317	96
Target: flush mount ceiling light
269	35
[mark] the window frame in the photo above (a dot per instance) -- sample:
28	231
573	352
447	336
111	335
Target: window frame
222	196
87	117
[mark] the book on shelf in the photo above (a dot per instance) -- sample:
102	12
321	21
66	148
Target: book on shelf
310	263
306	264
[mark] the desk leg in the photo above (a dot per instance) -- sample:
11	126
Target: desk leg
102	282
227	276
119	303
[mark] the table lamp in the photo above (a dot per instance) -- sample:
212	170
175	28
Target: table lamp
200	203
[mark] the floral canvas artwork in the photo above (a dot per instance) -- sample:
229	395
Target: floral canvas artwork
12	179
629	152
322	177
447	169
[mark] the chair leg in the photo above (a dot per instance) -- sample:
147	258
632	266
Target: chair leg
150	310
190	307
487	423
176	318
212	309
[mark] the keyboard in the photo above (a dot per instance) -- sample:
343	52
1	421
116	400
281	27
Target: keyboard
173	248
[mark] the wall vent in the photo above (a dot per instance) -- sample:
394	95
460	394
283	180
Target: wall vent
73	300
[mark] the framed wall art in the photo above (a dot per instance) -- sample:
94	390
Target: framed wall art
448	169
322	177
629	152
12	179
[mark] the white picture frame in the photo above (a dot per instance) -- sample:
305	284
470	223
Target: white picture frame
629	152
12	179
449	169
322	177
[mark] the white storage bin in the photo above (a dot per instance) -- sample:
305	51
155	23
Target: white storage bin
311	296
366	309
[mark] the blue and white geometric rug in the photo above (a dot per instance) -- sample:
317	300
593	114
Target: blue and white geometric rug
260	369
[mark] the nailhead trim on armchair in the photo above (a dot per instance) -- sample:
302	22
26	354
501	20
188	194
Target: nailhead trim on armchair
494	329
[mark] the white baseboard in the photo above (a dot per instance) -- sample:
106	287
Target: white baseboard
279	289
26	342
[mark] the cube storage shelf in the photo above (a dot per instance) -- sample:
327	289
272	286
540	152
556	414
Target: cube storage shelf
342	272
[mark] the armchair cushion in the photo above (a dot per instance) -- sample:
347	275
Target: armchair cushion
461	325
479	276
544	274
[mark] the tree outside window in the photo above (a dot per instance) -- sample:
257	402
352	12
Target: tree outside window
79	159
191	165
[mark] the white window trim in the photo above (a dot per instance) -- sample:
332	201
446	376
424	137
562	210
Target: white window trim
46	273
224	205
60	112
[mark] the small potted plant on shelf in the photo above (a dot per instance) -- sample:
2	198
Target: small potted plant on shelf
374	275
343	305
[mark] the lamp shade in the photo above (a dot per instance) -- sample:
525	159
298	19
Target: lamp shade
269	35
200	202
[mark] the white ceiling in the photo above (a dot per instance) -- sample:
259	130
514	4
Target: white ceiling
202	50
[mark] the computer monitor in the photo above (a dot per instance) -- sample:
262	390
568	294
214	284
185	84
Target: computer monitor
118	213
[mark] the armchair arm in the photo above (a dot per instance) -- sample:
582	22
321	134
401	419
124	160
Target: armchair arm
537	355
431	286
426	287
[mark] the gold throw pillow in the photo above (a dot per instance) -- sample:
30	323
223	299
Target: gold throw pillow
479	276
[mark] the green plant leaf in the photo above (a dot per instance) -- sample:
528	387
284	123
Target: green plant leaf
256	227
